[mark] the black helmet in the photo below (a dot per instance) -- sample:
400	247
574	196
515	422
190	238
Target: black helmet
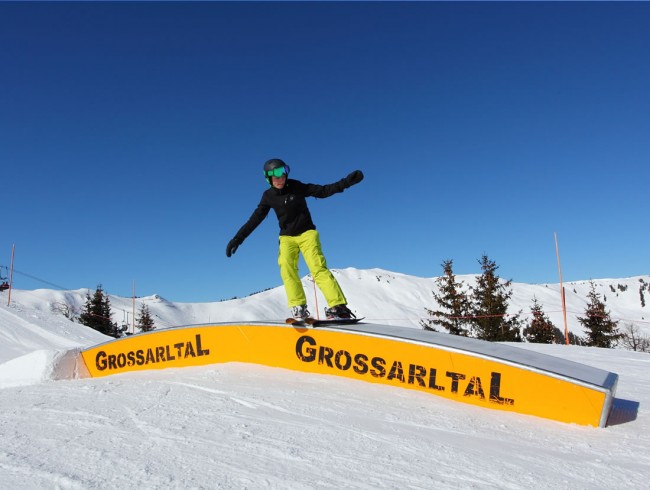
271	166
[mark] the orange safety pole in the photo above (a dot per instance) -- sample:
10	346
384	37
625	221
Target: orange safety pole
559	268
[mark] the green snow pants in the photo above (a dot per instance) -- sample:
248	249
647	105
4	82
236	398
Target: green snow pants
309	245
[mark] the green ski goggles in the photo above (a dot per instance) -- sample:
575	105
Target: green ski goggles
277	172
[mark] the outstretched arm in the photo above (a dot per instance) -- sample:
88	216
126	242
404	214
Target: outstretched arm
253	222
330	189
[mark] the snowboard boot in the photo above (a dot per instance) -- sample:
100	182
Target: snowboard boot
300	312
338	311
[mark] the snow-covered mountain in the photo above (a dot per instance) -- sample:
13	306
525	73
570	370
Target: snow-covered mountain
378	295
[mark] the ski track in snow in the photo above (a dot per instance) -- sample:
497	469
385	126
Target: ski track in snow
246	426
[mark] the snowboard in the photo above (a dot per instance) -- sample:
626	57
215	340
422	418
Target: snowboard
313	322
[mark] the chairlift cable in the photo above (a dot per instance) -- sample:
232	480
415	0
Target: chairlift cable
42	280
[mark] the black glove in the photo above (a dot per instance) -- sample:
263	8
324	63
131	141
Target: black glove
232	246
354	178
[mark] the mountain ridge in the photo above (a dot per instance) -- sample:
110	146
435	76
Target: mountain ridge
379	295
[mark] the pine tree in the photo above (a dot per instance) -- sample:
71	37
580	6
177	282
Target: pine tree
452	300
145	322
642	296
540	330
561	339
489	306
601	330
96	313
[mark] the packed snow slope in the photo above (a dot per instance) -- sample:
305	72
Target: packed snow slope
247	426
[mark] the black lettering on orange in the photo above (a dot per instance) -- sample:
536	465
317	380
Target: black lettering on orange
325	356
455	377
417	374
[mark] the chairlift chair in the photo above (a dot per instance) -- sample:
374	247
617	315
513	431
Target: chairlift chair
4	285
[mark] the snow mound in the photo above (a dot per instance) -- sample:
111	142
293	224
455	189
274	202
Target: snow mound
42	365
30	369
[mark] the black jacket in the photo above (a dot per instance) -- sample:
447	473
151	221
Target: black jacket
290	206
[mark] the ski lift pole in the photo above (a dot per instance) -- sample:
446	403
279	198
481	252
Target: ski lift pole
11	273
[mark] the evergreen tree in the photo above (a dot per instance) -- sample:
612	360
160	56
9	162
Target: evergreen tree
96	313
601	330
561	339
642	296
576	340
145	322
452	300
540	330
489	306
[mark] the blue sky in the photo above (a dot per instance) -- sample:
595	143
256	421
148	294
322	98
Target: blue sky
132	138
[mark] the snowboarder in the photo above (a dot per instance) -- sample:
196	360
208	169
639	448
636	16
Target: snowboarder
287	197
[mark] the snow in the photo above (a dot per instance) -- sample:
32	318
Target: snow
247	426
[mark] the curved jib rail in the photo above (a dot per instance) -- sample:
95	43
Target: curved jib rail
485	374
